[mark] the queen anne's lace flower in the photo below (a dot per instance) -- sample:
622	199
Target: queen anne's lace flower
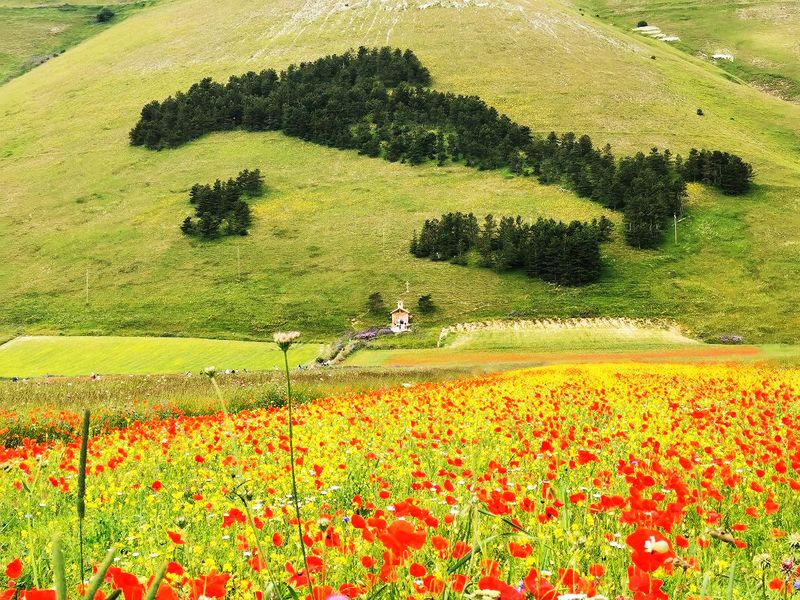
284	339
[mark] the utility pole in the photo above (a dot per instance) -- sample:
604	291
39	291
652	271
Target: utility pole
675	221
408	289
238	263
87	286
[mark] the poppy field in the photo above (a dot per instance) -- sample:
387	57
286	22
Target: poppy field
636	482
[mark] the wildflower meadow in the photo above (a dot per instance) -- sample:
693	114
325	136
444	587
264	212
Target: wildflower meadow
636	482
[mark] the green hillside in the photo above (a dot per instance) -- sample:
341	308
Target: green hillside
335	226
760	35
35	31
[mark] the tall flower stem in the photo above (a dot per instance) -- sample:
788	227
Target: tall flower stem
295	498
81	504
211	372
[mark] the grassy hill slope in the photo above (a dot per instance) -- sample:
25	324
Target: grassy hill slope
335	226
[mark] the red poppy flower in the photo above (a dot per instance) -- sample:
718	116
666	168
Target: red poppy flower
461	549
644	586
770	506
127	582
520	550
650	549
14	569
358	522
368	562
257	563
776	584
459	582
165	592
572	580
439	542
175	537
539	587
597	570
211	586
506	591
37	595
234	515
401	536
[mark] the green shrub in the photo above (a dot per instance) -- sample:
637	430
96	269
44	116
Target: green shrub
426	305
105	15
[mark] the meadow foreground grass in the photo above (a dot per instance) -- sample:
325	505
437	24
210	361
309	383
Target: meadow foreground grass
29	406
82	355
645	481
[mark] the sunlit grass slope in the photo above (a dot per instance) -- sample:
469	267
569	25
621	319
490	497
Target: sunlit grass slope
335	226
80	355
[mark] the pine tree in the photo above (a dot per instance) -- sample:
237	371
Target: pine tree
441	150
208	225
376	305
426	305
487	241
187	227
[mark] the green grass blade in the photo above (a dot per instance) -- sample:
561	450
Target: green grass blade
151	593
731	573
704	586
59	571
97	580
476	550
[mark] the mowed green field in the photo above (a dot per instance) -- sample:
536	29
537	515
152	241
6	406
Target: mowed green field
70	356
569	339
762	35
32	31
558	343
335	226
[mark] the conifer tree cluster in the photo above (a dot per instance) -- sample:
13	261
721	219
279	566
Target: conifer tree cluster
375	101
726	171
219	208
567	254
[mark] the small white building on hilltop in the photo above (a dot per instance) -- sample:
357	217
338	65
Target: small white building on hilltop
401	318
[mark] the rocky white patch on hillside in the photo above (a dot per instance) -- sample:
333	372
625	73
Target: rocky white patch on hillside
372	22
655	32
